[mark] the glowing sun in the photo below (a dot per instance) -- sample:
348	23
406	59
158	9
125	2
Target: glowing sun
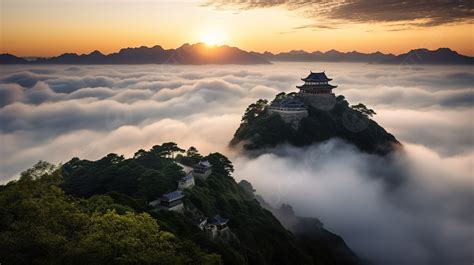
213	38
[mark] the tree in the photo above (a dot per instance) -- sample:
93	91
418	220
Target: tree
280	95
362	109
220	163
39	169
171	149
152	184
166	150
139	153
192	152
112	159
131	238
40	224
254	110
247	187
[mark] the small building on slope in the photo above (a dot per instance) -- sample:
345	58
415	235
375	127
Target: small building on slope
202	170
186	182
172	201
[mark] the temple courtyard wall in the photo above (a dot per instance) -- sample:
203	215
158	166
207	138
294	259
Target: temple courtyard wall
291	116
320	101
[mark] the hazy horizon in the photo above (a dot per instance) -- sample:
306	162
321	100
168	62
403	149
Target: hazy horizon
62	26
210	46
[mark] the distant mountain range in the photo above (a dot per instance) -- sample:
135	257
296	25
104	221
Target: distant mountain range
417	56
200	53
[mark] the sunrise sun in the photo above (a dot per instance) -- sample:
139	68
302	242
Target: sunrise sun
214	38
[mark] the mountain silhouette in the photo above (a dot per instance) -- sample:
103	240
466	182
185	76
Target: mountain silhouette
416	56
200	53
11	59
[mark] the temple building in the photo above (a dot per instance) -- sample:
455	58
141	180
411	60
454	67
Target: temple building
172	201
290	108
217	226
186	182
202	170
317	92
219	222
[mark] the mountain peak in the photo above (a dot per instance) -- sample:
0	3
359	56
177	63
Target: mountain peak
96	53
315	122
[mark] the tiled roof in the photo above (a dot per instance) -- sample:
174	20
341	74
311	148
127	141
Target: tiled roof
218	220
187	177
289	103
172	196
320	86
203	164
317	77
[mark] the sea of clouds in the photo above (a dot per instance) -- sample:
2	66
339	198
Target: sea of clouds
54	113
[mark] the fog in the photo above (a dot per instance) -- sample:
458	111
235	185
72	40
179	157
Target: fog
54	113
428	219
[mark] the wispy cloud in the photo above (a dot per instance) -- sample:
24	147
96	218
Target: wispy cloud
428	13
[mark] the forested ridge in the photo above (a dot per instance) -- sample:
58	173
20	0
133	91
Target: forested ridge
98	212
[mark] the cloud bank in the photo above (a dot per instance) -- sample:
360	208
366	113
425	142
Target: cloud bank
427	219
56	112
431	13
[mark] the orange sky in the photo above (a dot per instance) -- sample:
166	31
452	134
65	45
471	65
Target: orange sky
52	27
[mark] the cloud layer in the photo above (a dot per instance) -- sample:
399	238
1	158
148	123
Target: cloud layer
56	112
430	13
428	219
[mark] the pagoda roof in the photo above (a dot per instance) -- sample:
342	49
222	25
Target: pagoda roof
320	86
218	220
172	196
203	164
316	77
288	102
187	177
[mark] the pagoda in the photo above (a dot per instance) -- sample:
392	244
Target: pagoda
317	92
316	83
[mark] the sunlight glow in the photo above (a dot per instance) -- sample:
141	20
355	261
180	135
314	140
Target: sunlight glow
213	38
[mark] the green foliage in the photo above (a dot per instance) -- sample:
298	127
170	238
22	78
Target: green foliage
193	152
39	169
124	239
190	158
254	110
97	212
348	123
262	238
266	131
104	203
220	163
148	175
40	224
363	110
